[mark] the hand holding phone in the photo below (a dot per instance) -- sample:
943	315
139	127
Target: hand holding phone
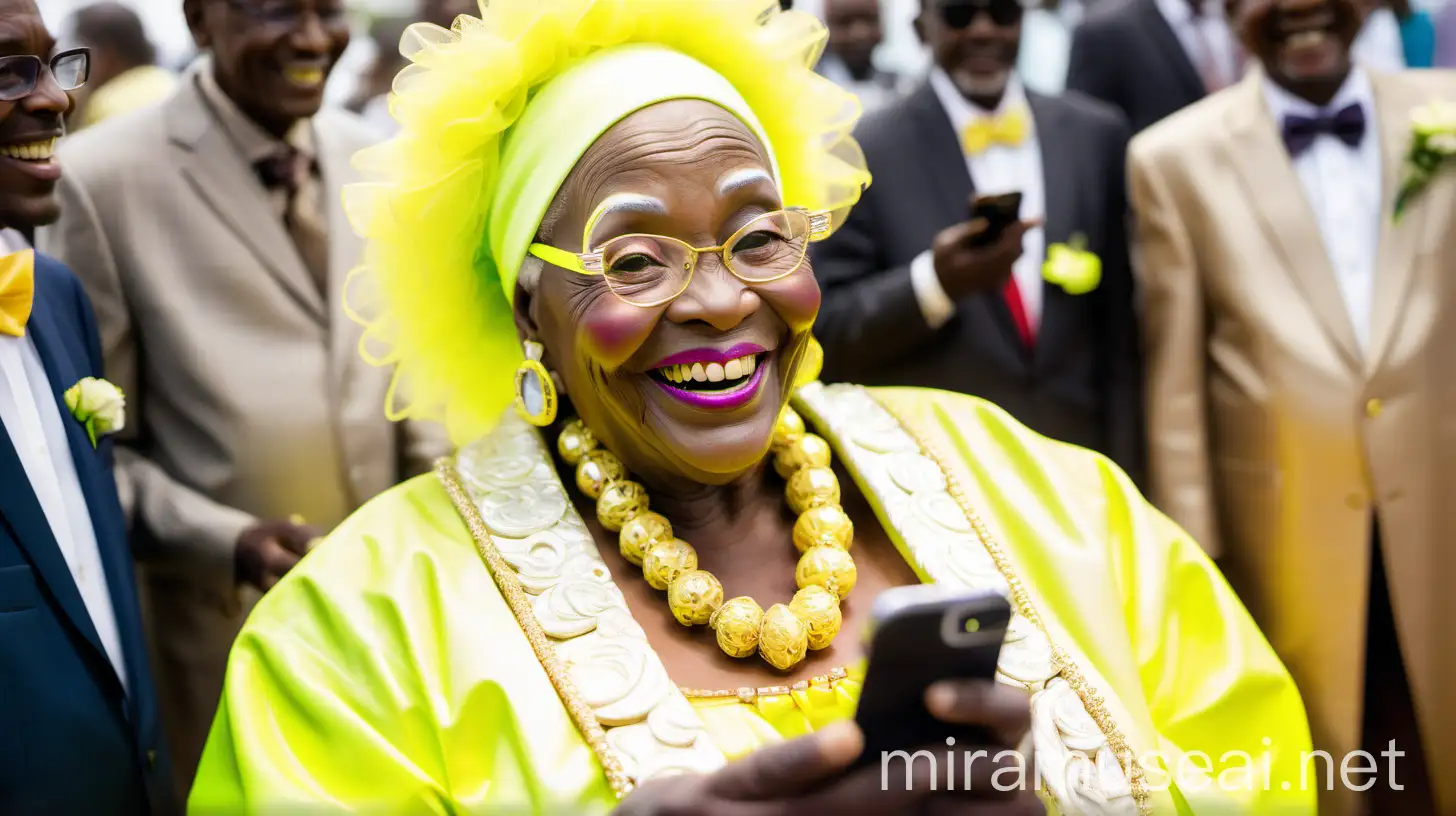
978	254
923	638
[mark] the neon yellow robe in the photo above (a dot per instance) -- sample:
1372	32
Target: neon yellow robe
394	669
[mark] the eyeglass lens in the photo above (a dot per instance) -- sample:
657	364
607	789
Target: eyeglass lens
961	14
648	269
19	75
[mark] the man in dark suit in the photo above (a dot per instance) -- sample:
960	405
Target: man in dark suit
1150	58
78	717
910	298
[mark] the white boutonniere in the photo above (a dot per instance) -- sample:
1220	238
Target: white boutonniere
1072	267
1433	143
98	405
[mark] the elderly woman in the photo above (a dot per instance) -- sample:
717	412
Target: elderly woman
626	189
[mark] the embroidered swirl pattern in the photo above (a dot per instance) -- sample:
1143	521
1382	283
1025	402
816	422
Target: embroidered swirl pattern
1076	764
649	724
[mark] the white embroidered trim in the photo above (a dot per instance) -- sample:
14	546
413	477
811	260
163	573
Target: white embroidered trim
511	478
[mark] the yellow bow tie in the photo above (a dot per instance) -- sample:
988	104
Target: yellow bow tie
1007	129
17	291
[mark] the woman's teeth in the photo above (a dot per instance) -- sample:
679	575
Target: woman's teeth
41	151
710	372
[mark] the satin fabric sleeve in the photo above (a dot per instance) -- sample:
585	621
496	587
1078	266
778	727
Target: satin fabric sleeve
1230	724
385	675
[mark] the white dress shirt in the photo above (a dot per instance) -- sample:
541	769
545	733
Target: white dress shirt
1343	185
1207	32
32	419
997	169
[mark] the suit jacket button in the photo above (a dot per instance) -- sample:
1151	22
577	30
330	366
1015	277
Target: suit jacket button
1373	408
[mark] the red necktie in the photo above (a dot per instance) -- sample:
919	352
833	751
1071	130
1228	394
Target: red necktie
1012	293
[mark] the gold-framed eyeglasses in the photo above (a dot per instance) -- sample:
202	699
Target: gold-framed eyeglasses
650	270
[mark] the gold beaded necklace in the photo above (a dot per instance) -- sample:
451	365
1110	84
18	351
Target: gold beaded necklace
823	534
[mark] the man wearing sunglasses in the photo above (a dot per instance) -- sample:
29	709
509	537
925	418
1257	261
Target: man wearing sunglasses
79	726
919	291
214	243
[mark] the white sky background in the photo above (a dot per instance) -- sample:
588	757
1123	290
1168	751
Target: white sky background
164	23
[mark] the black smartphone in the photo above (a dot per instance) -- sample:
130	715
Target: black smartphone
1000	212
919	635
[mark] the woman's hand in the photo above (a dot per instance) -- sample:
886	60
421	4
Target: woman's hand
810	775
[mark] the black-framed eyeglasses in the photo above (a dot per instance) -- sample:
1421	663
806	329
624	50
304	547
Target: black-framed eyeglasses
289	13
960	14
21	73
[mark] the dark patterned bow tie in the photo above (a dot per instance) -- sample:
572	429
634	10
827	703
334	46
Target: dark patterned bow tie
284	170
1347	124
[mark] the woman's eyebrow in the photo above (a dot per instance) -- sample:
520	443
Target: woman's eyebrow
630	202
734	180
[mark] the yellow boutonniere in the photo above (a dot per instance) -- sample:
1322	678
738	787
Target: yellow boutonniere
1433	143
98	405
1072	267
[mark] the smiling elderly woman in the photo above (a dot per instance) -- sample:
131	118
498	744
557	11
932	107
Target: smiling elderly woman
626	188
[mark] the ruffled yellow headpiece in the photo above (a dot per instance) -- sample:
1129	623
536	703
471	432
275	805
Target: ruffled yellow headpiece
495	113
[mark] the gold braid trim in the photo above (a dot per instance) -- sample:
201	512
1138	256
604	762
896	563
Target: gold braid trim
1096	706
516	598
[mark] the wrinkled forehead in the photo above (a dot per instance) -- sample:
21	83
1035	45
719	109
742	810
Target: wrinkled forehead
661	152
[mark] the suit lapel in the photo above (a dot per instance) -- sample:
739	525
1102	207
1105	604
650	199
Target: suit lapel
1170	48
1395	258
229	187
335	172
18	502
1275	195
1059	161
940	154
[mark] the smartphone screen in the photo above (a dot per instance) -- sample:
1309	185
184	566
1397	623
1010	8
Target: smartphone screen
999	211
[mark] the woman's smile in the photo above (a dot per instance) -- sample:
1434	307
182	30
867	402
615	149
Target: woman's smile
711	379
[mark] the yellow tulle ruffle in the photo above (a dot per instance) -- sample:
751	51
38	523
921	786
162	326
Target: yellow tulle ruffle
428	292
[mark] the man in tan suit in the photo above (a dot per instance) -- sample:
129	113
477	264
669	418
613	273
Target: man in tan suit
1302	382
210	234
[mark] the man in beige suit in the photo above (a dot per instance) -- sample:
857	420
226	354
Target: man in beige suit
1302	382
210	234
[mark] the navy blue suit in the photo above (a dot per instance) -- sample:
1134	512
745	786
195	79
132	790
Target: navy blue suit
72	739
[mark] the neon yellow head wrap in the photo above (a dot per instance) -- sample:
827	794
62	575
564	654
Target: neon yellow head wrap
569	114
496	112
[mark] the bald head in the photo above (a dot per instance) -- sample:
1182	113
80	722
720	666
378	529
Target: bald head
116	37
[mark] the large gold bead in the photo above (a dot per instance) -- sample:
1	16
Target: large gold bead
783	640
576	441
694	596
827	567
812	487
788	430
595	470
737	623
620	502
826	526
820	610
665	560
639	533
810	451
